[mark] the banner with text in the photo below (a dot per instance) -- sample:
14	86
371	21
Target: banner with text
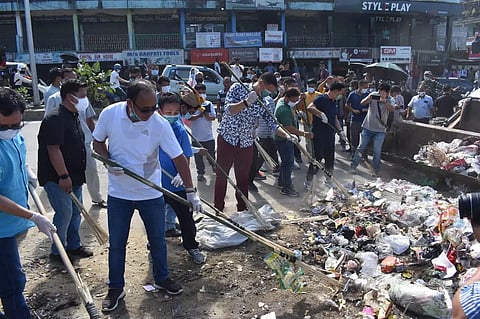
242	39
244	54
394	54
208	40
356	55
271	54
208	56
273	36
157	56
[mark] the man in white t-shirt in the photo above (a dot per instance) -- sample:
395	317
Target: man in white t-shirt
135	132
202	130
116	80
237	69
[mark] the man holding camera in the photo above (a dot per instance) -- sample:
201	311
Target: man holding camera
374	125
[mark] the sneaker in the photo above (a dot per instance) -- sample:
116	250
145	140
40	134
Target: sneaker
80	252
173	233
55	258
252	188
289	192
111	300
299	160
307	185
169	286
101	204
260	177
201	178
197	256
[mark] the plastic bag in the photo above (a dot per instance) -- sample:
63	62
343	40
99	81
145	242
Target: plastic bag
399	243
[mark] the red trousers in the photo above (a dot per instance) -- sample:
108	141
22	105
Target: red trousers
241	158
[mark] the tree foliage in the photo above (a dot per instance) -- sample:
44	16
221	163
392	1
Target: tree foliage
97	82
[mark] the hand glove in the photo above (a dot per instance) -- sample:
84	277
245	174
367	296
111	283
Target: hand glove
115	170
251	98
177	180
281	90
343	136
324	118
43	224
193	199
32	177
292	138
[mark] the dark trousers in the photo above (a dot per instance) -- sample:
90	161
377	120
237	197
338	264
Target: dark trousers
12	280
185	219
269	146
286	150
210	146
241	159
324	148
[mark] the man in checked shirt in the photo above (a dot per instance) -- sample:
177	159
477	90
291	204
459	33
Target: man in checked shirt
236	135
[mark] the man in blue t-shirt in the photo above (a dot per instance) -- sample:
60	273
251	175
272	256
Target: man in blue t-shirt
325	120
169	104
357	110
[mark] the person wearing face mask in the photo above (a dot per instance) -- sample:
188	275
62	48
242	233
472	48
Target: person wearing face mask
432	87
135	132
15	216
374	125
307	117
236	135
325	110
116	80
237	68
420	107
169	108
356	109
61	166
163	85
285	116
201	126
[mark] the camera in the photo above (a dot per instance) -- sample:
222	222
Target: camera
376	97
469	207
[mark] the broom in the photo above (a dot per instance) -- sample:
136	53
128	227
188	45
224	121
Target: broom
100	233
268	159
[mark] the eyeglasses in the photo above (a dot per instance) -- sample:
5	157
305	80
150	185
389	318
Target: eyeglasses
146	110
12	127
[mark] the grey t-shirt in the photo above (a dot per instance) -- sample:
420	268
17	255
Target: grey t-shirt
376	121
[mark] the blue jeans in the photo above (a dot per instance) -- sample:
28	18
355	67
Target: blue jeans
365	137
285	148
12	280
170	218
67	217
120	212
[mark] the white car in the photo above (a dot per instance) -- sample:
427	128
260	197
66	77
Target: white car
178	75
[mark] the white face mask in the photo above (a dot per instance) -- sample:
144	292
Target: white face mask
203	95
278	79
310	90
292	104
250	76
166	89
8	134
154	72
364	91
82	104
421	94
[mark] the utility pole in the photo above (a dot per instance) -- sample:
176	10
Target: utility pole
31	50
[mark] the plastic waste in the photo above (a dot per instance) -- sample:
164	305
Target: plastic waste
399	243
369	264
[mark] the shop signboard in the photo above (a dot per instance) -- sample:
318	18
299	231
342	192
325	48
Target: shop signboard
40	58
208	40
273	36
399	7
325	53
396	54
255	4
356	55
208	56
101	57
242	39
244	54
271	54
155	56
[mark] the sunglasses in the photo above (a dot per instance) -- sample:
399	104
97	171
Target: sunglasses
146	110
12	127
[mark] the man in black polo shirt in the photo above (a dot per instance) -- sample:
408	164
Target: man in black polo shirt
445	104
61	165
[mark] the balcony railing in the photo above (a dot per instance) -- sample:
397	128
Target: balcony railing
152	41
105	42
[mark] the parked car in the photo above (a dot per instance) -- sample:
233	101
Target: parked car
460	86
178	74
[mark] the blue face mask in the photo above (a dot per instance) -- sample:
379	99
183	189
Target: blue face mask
187	116
171	118
133	116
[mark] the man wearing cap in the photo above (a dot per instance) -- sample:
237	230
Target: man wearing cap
116	80
432	87
237	68
420	107
236	135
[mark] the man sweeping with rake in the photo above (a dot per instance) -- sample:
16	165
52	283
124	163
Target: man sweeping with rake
135	132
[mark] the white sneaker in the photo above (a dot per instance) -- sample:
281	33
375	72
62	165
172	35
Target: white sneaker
296	166
197	256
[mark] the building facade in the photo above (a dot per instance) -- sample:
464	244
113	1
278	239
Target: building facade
339	33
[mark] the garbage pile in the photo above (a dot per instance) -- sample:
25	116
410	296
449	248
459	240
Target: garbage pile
460	156
397	243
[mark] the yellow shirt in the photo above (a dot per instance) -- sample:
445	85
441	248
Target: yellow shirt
309	97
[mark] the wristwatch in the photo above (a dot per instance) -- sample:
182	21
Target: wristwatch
190	189
64	176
